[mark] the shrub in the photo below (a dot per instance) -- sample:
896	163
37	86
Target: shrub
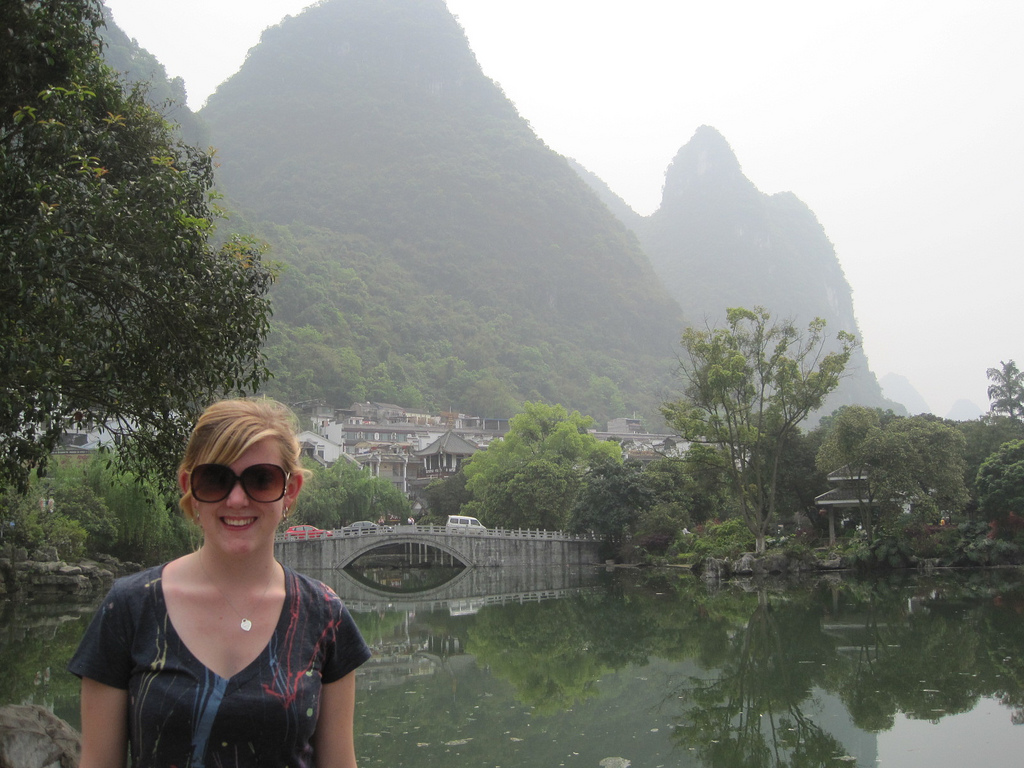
727	539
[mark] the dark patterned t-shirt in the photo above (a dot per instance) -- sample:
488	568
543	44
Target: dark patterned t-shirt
182	715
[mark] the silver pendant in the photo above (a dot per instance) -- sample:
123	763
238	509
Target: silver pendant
246	625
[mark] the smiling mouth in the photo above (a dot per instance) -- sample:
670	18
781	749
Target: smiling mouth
234	522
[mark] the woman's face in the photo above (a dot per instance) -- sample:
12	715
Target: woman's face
236	524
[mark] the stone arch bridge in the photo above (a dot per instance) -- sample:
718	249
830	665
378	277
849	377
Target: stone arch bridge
489	548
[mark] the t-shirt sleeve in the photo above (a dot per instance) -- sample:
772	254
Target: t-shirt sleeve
349	650
104	654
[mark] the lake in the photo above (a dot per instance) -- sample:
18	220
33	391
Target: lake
649	667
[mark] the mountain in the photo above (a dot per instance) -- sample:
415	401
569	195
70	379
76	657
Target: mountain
899	389
137	65
718	242
964	410
436	251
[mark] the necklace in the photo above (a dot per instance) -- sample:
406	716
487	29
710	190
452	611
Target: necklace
246	624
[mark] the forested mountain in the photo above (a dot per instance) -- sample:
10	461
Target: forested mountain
437	252
137	65
717	242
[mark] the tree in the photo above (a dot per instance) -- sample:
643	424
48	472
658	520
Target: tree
1001	482
898	464
746	389
114	306
984	436
344	492
613	496
1007	390
539	461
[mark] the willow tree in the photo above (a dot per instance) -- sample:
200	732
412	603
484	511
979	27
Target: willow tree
114	306
746	389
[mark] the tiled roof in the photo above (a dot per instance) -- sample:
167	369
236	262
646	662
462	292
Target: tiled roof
449	443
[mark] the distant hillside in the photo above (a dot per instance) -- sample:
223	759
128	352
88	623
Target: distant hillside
137	65
964	410
899	389
718	242
437	251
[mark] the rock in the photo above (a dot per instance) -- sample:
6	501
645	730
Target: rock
615	762
745	565
33	737
46	554
775	563
715	570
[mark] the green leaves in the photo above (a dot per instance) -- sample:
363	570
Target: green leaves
746	389
1001	482
530	477
900	464
113	304
1007	390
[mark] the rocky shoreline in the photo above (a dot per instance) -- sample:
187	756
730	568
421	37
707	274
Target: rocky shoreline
42	574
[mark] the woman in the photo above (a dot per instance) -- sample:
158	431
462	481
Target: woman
223	657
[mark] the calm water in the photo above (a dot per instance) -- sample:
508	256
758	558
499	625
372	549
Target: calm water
596	668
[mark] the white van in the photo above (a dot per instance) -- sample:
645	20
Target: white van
462	524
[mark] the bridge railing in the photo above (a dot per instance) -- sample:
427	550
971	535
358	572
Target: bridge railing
441	530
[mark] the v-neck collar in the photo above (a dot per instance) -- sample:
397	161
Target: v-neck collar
253	666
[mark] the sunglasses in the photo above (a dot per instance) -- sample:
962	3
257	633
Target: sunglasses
262	483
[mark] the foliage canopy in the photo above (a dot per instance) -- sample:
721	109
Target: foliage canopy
114	307
1007	390
897	464
747	387
529	477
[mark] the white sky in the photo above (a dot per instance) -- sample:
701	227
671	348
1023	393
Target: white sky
899	122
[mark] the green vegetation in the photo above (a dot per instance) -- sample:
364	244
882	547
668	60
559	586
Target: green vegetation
900	463
746	390
435	252
1001	483
1007	390
338	495
85	507
114	307
530	477
717	241
919	501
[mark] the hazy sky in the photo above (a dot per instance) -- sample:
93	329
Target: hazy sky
899	122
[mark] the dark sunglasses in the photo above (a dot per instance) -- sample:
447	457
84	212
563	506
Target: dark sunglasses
261	482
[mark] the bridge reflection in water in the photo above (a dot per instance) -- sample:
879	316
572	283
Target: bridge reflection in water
413	634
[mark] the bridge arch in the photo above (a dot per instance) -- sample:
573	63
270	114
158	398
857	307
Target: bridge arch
439	592
369	544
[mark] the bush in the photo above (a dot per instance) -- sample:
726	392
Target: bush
886	551
1009	528
728	539
658	529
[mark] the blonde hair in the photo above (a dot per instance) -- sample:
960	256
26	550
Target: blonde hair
229	428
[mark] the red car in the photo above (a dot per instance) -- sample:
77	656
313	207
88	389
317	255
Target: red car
306	532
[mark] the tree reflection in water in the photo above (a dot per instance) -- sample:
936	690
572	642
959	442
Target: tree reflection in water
767	655
651	665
